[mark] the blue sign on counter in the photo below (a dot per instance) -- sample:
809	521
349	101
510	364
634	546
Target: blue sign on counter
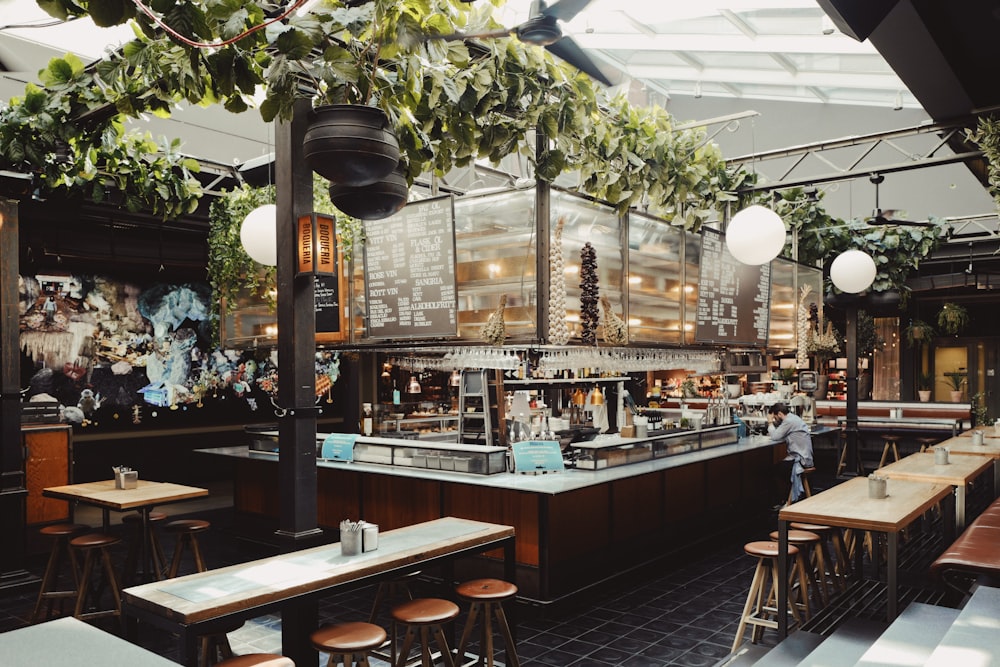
537	456
339	447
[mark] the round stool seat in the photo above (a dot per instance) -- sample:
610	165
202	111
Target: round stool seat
256	660
94	540
768	549
187	526
425	611
811	527
797	536
487	589
136	518
348	637
891	438
63	529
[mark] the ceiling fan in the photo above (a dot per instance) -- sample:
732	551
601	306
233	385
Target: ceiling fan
880	217
542	29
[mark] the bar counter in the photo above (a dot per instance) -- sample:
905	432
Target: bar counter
574	527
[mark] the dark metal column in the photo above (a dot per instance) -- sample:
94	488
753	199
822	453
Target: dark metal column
853	460
298	520
543	242
13	493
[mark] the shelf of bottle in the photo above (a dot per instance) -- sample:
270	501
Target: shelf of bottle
550	381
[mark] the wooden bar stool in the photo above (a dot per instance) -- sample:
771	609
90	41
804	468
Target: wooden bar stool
96	550
926	442
843	455
889	442
257	660
215	648
486	596
830	556
133	526
348	643
802	573
426	615
48	592
762	599
397	589
806	489
186	531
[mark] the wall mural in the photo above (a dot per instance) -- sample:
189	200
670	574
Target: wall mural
103	349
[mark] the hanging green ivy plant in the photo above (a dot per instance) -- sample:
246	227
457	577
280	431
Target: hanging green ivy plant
986	135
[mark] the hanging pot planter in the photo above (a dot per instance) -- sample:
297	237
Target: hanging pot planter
350	144
375	201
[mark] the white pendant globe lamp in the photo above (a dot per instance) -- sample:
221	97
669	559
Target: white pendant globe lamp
258	234
853	271
755	235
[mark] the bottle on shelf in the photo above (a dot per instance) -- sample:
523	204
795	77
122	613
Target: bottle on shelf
367	419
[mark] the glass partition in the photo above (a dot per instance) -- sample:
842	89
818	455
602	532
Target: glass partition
495	247
587	221
655	280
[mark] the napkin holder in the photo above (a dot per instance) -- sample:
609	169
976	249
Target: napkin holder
127	479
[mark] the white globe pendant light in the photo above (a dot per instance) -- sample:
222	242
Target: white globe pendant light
853	271
258	234
755	235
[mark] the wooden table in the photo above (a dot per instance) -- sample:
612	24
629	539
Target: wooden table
201	603
67	641
907	423
847	505
962	446
143	499
959	472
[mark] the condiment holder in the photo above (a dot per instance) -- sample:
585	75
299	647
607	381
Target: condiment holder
977	438
357	537
877	486
125	478
941	455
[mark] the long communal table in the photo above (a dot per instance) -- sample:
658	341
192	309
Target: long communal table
847	505
203	603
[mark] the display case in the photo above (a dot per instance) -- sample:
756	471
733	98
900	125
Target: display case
455	457
423	420
610	453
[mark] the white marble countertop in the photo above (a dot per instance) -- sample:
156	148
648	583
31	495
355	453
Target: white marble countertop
570	479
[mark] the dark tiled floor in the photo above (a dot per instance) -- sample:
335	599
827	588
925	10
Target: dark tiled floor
681	611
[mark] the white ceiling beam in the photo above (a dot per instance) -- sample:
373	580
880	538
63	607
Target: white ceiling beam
738	22
766	77
707	43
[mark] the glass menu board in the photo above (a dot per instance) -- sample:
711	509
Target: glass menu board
410	287
733	297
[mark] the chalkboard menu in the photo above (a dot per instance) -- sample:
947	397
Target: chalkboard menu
410	288
733	297
327	297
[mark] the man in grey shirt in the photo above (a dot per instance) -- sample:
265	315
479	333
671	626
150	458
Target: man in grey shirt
789	428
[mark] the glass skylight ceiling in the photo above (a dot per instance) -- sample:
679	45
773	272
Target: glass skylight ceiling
780	50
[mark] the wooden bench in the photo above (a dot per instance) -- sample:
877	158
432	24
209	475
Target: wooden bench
974	556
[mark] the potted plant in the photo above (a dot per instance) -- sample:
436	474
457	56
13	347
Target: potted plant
952	318
918	332
956	383
925	383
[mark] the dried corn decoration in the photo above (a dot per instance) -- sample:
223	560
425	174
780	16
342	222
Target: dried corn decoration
589	314
615	329
558	329
494	331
